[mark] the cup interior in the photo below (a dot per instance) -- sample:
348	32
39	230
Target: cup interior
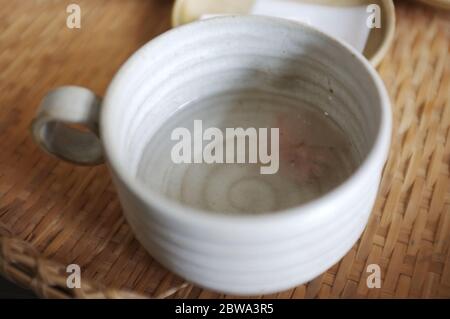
254	60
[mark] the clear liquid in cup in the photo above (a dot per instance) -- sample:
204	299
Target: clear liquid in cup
315	156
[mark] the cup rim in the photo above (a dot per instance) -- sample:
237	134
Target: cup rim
376	156
375	57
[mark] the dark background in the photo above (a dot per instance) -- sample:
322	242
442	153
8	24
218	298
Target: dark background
10	290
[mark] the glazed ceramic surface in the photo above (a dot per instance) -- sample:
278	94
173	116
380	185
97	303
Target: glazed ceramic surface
237	254
378	43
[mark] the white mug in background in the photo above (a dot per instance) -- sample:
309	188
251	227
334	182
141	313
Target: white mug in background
237	254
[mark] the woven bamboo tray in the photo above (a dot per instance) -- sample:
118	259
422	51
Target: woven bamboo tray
53	214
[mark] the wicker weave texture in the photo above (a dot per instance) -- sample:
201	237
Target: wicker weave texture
54	214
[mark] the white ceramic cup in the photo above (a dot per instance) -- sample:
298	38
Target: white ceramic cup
237	254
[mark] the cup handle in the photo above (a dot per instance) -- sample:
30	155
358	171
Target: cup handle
66	125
